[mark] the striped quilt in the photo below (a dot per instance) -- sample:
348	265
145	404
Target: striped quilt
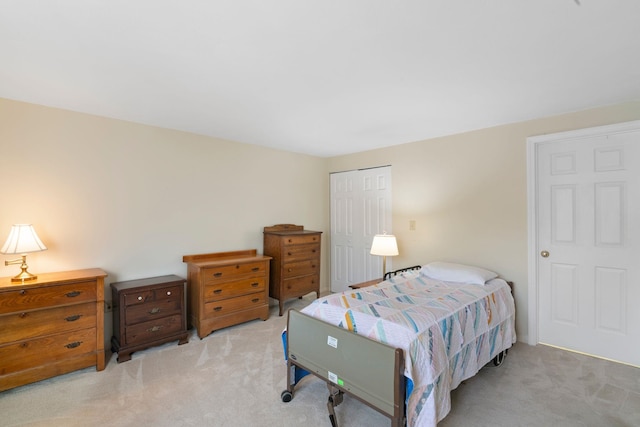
447	330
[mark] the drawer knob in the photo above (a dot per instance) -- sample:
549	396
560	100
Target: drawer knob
73	344
154	329
168	293
289	253
289	270
255	269
217	291
217	274
154	310
73	294
313	250
254	284
255	300
217	308
72	318
23	292
23	315
139	298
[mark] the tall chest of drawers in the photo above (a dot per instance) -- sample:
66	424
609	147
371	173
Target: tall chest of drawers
295	270
226	288
51	326
148	312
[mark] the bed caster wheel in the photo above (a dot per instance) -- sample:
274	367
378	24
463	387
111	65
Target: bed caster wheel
286	396
497	361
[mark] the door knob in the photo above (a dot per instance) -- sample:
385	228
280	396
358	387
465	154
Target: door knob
545	254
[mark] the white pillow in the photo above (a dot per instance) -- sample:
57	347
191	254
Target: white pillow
450	272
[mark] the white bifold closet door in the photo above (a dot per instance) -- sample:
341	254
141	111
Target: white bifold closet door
360	209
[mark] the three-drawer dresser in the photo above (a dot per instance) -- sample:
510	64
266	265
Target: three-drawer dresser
227	288
148	312
51	326
295	269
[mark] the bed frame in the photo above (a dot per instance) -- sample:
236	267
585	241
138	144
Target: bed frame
345	361
368	370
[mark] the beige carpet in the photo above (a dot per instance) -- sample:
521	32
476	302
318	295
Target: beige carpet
234	377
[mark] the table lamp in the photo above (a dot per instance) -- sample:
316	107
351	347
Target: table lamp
384	245
22	240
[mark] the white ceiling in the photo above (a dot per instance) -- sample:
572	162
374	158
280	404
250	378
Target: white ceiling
323	77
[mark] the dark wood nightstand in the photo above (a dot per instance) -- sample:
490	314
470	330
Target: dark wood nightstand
148	312
364	284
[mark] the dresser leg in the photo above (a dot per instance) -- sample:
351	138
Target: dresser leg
123	357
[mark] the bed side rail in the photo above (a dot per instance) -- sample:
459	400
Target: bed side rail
368	370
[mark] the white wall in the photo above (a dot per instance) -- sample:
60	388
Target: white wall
133	199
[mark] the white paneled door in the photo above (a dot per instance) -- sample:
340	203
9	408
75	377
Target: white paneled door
360	209
588	242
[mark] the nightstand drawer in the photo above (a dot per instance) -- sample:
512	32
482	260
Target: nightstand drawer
300	268
31	324
300	252
233	289
154	329
301	239
22	355
226	306
133	297
152	310
47	296
228	272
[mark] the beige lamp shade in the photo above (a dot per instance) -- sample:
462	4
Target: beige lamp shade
384	245
22	240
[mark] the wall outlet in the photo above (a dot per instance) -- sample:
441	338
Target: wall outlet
108	307
412	225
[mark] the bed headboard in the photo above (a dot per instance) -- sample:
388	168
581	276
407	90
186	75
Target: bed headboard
393	273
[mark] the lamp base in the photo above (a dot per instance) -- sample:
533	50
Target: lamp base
24	275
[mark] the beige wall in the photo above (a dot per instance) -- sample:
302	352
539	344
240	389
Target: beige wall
468	194
133	199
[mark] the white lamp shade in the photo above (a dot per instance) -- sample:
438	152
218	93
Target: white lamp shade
22	239
384	245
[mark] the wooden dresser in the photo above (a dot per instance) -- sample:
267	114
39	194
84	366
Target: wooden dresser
148	312
226	288
51	326
295	270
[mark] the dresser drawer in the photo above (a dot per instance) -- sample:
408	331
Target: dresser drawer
31	324
300	268
302	285
47	296
172	293
233	289
227	306
228	272
301	239
41	351
157	328
300	252
152	310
